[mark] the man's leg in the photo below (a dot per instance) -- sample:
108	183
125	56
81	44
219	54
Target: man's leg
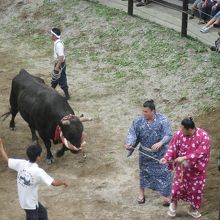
31	214
141	196
205	13
172	208
63	83
208	26
194	212
42	212
193	12
54	83
166	200
200	13
165	187
141	3
194	8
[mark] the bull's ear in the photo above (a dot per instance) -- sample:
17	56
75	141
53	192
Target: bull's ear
65	122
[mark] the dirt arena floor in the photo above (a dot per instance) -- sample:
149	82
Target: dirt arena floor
105	185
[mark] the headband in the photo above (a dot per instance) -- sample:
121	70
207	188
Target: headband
57	36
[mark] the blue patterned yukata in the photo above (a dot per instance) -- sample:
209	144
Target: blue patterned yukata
153	175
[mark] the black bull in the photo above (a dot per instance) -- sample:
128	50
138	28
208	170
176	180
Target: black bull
43	109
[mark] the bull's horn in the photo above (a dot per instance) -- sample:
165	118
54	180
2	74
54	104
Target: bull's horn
66	122
72	147
84	119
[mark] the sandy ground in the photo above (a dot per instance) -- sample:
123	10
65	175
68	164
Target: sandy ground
105	185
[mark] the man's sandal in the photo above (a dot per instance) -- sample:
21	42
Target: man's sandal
166	203
194	213
171	211
141	200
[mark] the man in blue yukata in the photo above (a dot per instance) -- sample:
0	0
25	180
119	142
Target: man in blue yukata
152	130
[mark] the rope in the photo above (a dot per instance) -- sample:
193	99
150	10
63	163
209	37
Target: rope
170	161
59	134
153	158
147	155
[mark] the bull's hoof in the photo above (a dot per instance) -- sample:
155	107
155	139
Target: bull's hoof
60	153
50	160
74	152
84	155
34	142
55	142
12	125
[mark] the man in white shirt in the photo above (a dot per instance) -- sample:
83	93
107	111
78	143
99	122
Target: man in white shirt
59	73
29	177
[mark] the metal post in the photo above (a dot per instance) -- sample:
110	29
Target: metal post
184	18
130	7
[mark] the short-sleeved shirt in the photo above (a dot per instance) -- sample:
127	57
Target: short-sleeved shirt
58	49
29	177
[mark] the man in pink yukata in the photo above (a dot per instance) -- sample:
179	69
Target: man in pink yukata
190	150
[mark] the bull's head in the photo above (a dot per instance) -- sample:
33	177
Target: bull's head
72	134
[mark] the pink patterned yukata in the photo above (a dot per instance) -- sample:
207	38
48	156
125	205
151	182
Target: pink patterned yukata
189	180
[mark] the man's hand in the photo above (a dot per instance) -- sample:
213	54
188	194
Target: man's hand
157	146
57	68
128	146
65	184
204	5
180	159
2	151
214	7
1	145
163	161
60	60
58	182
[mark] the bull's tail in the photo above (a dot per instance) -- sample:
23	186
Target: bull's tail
5	115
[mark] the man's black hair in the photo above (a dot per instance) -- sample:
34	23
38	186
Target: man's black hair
149	104
56	31
33	151
188	123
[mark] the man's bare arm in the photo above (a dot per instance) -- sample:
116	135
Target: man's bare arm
60	60
2	151
57	182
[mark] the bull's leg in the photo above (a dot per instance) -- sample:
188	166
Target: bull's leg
12	122
50	158
61	152
34	135
13	110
